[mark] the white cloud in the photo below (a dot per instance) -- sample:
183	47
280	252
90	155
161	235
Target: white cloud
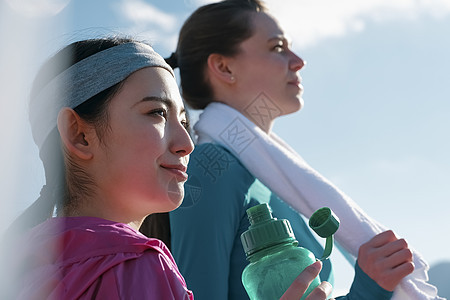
437	8
144	14
306	21
310	21
37	8
150	23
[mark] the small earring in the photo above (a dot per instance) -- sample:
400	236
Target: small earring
232	78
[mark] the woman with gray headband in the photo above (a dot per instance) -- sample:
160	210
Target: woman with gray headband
110	125
111	129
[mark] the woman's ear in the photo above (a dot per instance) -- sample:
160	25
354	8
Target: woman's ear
218	66
76	134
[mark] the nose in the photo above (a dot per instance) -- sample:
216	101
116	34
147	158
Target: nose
181	143
296	63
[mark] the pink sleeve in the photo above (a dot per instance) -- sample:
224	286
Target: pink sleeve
153	275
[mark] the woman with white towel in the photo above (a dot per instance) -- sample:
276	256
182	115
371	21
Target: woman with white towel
236	65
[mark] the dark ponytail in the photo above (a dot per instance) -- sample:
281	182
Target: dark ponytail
214	28
172	60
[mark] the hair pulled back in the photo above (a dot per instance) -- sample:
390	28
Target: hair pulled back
66	182
214	28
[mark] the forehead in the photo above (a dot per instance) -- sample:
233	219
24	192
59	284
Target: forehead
265	25
153	82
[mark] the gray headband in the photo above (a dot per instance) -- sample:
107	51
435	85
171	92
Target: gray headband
86	79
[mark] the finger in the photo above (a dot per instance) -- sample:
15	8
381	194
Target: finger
322	291
381	246
393	277
302	282
393	247
382	239
398	258
402	270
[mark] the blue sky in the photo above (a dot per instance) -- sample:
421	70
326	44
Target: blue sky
377	97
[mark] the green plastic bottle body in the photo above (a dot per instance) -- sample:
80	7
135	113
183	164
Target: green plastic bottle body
272	270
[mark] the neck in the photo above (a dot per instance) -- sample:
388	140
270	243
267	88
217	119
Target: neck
259	115
263	123
88	211
135	224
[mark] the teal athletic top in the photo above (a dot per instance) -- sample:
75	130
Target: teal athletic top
206	228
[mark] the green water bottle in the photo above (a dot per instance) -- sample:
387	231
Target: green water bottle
275	259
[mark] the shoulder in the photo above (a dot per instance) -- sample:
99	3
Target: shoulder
155	257
213	161
213	170
87	237
152	274
120	256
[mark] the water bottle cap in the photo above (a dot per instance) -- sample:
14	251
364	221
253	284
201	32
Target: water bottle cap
324	222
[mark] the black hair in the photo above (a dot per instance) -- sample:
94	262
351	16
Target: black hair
65	182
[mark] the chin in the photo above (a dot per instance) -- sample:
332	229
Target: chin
176	198
293	105
175	192
300	103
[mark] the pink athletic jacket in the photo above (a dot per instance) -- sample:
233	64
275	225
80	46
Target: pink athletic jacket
92	258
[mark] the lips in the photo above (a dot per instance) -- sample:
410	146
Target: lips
178	170
297	82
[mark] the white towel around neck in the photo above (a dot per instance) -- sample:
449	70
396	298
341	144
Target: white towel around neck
285	173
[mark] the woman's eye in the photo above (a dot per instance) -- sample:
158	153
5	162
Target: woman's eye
159	112
278	48
186	124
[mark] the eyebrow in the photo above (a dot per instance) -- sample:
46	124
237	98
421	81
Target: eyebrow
282	38
167	101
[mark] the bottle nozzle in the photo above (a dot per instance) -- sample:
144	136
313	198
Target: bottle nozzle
259	214
265	230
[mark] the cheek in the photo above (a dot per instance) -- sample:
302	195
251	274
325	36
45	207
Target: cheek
137	148
271	70
144	138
